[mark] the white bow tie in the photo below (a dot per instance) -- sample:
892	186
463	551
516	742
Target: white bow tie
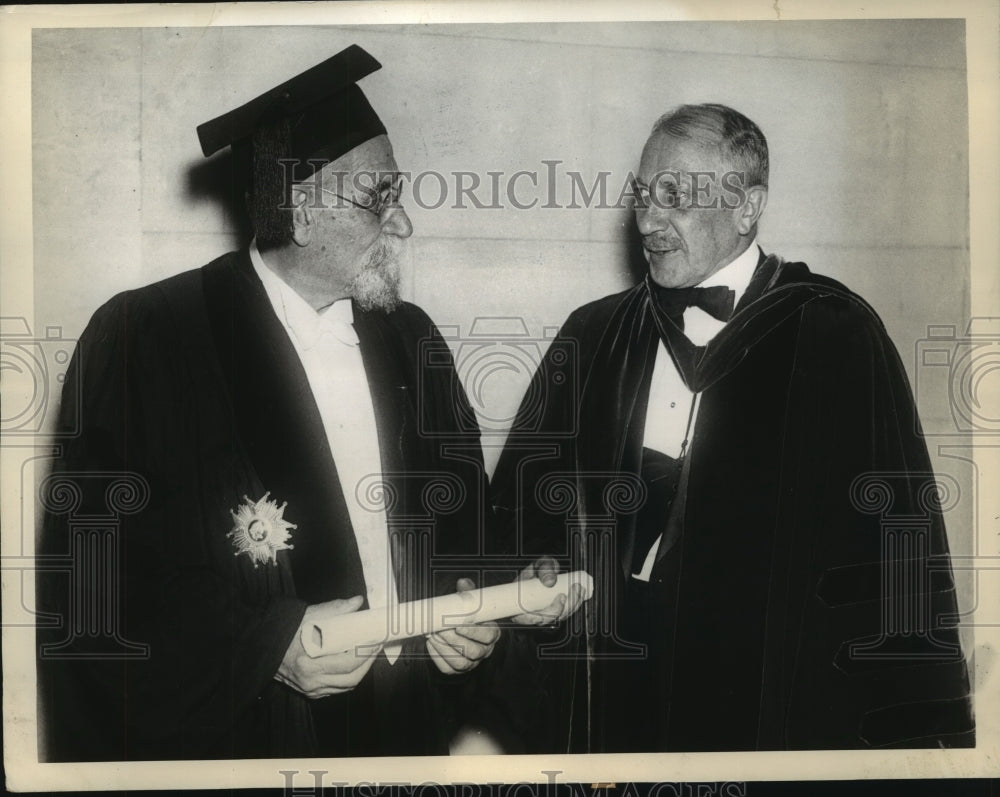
341	330
335	321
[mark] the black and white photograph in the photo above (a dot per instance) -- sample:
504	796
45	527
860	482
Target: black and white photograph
403	393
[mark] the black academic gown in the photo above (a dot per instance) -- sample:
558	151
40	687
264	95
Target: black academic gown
784	558
194	397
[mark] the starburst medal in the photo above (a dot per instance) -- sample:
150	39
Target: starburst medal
261	530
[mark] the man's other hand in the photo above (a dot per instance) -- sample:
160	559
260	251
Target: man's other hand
461	649
325	675
546	569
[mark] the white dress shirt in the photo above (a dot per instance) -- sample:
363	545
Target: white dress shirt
672	408
328	348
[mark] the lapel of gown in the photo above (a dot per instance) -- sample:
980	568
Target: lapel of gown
278	422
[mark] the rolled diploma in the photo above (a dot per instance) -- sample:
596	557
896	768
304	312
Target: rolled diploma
343	632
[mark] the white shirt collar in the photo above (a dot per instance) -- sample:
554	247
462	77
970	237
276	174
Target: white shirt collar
737	274
295	313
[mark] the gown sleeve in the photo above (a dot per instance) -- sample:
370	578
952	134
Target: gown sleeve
872	652
211	628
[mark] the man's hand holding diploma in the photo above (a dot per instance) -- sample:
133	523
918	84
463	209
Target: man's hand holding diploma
546	570
461	624
331	674
460	649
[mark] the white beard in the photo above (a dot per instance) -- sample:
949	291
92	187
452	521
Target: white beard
376	285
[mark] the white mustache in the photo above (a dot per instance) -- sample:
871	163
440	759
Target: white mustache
659	244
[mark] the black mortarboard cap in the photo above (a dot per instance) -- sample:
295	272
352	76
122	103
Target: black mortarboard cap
321	113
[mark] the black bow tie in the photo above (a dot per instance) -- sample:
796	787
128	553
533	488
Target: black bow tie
717	301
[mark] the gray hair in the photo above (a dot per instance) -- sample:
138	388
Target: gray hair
740	140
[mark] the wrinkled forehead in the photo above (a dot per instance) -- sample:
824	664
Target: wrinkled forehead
373	161
665	155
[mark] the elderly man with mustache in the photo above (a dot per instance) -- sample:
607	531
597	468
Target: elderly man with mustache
269	408
732	421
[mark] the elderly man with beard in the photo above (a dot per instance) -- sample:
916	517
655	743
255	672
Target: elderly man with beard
267	411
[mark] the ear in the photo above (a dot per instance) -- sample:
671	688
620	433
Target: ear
303	219
749	213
